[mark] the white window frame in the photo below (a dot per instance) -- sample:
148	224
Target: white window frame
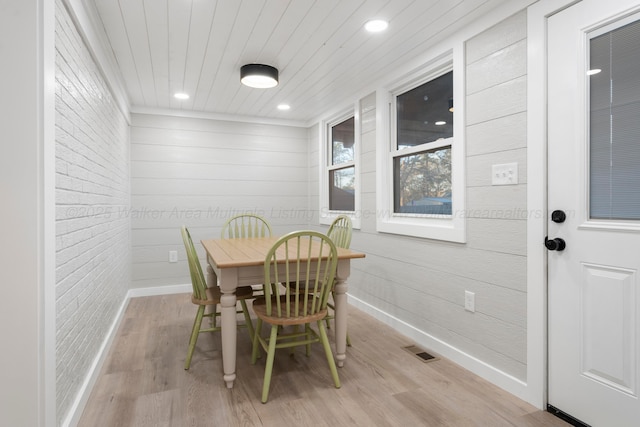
326	215
439	227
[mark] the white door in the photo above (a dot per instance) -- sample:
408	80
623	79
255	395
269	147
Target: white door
594	177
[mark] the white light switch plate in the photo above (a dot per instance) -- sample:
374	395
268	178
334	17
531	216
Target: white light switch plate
504	174
470	301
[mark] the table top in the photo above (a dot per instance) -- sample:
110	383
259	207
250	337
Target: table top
233	253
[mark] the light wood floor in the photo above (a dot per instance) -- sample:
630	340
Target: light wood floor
143	382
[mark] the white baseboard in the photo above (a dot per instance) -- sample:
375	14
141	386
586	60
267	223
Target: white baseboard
73	416
501	379
80	401
159	290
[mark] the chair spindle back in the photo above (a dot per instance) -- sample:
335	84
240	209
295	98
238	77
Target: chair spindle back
307	261
340	231
198	281
245	226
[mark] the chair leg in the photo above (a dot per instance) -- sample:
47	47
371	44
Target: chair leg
307	329
329	354
292	349
214	318
247	319
256	341
268	370
194	336
332	307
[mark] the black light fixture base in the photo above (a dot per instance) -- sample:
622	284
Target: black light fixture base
259	75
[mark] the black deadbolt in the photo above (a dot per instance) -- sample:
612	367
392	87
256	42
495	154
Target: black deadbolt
558	216
556	244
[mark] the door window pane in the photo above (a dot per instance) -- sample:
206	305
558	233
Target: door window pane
423	182
342	189
615	124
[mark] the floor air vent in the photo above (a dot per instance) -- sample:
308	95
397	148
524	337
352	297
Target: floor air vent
420	353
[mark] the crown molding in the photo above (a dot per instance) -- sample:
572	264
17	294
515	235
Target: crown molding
215	116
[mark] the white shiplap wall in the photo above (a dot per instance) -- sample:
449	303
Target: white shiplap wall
199	172
92	187
421	282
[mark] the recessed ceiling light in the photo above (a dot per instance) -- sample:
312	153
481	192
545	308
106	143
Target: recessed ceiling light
284	107
440	123
181	95
593	71
376	25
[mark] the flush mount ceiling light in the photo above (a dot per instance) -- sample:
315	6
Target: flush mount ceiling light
284	107
259	76
376	25
181	95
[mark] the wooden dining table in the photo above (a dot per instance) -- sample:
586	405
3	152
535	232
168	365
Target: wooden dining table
240	262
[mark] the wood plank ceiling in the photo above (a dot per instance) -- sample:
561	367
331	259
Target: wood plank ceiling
320	47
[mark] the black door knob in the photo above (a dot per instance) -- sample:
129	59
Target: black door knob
558	216
556	244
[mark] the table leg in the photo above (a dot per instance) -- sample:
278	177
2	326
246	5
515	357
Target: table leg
340	300
229	325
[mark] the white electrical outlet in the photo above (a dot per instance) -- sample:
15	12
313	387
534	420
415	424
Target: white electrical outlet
505	174
173	256
469	301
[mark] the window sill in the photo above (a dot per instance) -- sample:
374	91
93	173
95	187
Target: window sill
446	229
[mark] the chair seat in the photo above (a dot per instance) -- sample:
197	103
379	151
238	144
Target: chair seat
301	287
260	309
214	294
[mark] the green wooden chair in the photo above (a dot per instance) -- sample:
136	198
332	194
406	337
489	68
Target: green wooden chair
340	231
204	296
245	226
291	260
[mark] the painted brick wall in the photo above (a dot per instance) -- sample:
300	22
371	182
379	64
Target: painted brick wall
92	193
